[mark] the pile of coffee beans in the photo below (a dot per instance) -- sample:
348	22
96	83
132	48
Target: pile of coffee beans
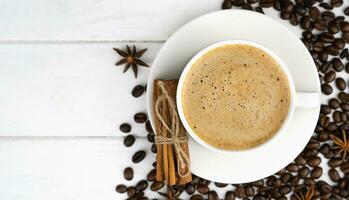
325	35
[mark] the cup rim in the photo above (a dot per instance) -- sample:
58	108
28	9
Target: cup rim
220	44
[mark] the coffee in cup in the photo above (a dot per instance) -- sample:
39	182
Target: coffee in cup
235	97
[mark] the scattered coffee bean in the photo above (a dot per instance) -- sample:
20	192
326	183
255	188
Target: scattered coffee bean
151	137
330	76
197	197
332	50
148	127
240	191
339	43
137	91
294	181
195	180
189	188
128	173
333	28
336	3
227	4
229	195
285	189
131	191
326	6
300	160
303	172
345	167
260	197
346	11
265	3
336	115
316	172
271	180
337	64
285	178
334	103
292	167
157	185
334	175
344	117
221	185
142	185
344	54
126	128
151	175
332	126
249	190
314	162
121	188
323	136
345	106
153	148
140	117
326	89
129	140
138	156
203	189
212	195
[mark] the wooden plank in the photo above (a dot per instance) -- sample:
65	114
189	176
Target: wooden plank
68	89
68	169
97	19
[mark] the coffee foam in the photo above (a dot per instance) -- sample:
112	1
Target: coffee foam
235	97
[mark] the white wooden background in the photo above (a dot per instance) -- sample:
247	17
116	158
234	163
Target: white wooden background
62	99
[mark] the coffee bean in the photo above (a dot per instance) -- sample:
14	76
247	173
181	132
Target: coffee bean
335	162
189	188
285	189
330	154
299	9
326	67
339	43
138	156
129	140
227	4
128	173
262	189
328	16
314	12
277	5
344	54
334	175
137	91
337	64
326	37
325	188
249	190
293	19
334	103
326	6
333	28
343	97
240	191
204	181
260	197
121	188
140	117
345	106
285	15
142	185
344	116
316	172
238	2
197	197
303	172
324	121
294	181
153	148
323	56
345	27
345	37
271	180
313	144
336	115
148	127
345	167
340	83
336	3
309	181
157	185
259	9
323	136
285	178
131	191
124	127
314	162
332	126
195	180
310	154
326	89
265	3
332	50
212	195
151	175
151	137
221	185
305	22
300	160
203	189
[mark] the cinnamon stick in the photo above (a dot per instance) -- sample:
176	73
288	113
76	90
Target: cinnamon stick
166	158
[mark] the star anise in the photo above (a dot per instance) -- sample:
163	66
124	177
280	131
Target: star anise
131	58
172	193
308	196
342	144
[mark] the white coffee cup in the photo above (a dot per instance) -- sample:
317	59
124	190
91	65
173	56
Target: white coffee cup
297	98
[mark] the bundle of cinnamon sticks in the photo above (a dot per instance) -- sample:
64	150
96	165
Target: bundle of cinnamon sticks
169	161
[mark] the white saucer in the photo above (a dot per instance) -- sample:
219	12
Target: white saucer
255	27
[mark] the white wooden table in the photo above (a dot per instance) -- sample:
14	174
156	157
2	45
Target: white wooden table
62	99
